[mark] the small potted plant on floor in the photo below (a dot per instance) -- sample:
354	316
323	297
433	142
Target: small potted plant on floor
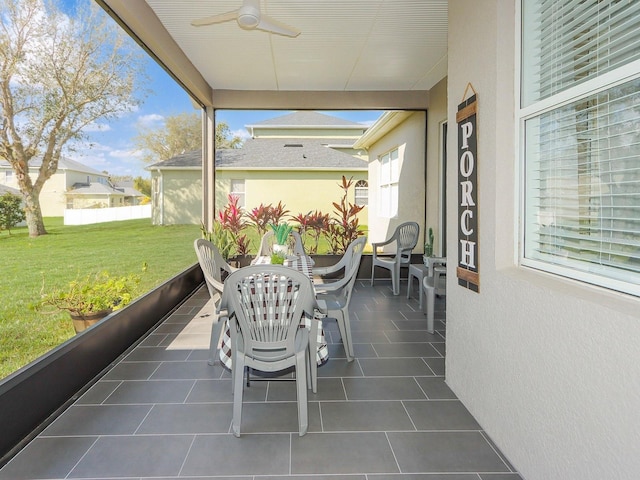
90	298
428	246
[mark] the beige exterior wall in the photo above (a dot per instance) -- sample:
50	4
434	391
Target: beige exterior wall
52	197
550	367
408	138
180	200
299	191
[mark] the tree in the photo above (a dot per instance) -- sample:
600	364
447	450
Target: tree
143	185
58	75
179	134
11	212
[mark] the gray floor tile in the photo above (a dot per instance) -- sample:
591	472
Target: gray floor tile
151	391
405	324
338	367
440	415
98	393
405	350
386	367
221	391
425	476
500	476
98	420
277	417
362	416
342	453
419	452
436	388
266	454
132	371
436	364
187	419
134	456
47	458
186	370
312	477
328	389
412	336
366	336
384	388
151	354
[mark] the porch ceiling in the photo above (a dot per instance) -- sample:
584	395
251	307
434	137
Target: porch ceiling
375	53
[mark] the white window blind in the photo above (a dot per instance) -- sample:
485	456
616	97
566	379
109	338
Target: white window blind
569	42
582	148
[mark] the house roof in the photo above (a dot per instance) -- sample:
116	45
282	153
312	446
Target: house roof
307	119
64	163
96	188
4	189
271	154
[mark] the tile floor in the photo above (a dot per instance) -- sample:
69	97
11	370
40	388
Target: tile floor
164	413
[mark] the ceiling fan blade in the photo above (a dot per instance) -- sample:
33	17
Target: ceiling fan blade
221	18
269	24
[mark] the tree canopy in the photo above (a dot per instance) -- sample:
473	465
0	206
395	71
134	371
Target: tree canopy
58	75
179	134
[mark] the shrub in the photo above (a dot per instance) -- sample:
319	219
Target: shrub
11	211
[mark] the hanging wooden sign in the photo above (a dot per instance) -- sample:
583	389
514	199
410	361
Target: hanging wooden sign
467	270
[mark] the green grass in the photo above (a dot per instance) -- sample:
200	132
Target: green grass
63	254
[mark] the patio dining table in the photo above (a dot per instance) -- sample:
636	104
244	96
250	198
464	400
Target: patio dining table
304	264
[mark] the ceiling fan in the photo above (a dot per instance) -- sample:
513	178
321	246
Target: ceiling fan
249	17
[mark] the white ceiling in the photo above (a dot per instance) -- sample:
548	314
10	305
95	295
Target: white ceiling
345	45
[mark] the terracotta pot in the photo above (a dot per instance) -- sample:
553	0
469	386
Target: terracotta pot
82	322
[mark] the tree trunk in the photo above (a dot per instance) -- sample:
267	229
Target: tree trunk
33	212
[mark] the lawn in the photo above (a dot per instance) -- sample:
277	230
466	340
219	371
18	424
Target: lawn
30	264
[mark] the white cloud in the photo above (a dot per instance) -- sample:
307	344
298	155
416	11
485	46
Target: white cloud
242	133
125	153
150	120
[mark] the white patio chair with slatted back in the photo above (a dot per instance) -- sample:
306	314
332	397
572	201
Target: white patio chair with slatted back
212	265
268	239
265	305
334	296
405	237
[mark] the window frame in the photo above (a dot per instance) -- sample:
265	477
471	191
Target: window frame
598	84
363	197
242	196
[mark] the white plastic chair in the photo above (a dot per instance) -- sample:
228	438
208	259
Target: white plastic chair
265	305
333	297
212	265
432	286
406	237
267	241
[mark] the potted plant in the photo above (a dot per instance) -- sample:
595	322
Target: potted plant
90	298
281	232
428	245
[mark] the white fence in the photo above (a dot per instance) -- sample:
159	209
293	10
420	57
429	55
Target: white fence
86	216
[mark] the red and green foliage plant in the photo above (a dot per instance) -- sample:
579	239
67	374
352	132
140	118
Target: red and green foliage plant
264	215
231	218
313	224
345	228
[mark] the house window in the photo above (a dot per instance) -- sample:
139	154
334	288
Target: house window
237	189
580	111
8	176
389	176
362	193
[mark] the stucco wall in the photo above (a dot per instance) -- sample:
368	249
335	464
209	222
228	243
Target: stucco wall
436	115
299	191
52	196
408	137
549	367
181	199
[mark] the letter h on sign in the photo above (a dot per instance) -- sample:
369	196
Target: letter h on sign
467	271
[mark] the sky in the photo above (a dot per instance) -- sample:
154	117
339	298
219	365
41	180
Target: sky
110	147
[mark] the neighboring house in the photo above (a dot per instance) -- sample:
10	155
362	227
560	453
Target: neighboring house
297	159
74	185
397	157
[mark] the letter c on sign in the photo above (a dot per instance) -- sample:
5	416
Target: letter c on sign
466	216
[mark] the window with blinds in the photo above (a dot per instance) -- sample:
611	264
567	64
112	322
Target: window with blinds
582	145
